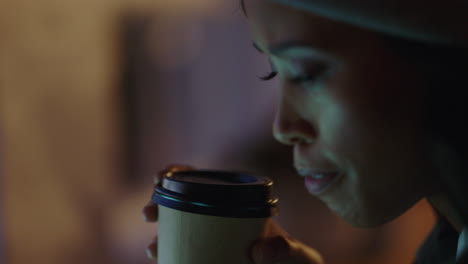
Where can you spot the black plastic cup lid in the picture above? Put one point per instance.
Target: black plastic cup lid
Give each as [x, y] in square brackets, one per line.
[218, 193]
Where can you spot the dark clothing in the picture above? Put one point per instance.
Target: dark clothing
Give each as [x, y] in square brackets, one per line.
[440, 247]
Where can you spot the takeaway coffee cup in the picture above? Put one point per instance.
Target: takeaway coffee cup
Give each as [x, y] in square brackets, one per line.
[211, 217]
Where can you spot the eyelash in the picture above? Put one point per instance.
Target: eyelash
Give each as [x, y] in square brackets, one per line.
[318, 71]
[269, 76]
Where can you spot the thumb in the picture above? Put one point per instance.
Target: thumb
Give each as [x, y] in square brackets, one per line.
[270, 250]
[280, 249]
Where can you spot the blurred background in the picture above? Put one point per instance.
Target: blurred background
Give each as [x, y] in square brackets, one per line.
[96, 96]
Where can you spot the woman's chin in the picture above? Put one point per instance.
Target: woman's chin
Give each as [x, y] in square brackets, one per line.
[362, 219]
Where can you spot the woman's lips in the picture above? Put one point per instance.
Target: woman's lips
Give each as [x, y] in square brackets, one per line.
[318, 181]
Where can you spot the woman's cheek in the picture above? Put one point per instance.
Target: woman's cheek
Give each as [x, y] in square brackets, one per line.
[347, 136]
[337, 128]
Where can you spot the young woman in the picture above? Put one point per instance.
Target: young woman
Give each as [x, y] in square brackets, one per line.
[373, 104]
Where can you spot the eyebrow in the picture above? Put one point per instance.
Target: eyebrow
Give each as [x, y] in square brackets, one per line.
[244, 10]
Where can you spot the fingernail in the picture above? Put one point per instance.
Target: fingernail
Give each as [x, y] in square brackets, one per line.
[143, 212]
[149, 254]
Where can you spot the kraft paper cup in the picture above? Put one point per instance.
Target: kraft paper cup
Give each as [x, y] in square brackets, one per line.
[211, 217]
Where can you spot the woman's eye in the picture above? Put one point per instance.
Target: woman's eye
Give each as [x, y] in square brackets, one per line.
[311, 73]
[271, 75]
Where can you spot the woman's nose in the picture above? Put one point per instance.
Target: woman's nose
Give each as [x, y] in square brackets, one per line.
[291, 127]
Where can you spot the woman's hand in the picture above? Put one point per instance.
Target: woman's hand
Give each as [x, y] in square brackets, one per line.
[278, 248]
[150, 211]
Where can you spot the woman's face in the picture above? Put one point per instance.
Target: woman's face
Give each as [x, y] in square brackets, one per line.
[351, 110]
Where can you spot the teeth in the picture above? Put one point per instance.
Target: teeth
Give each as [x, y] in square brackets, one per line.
[318, 176]
[315, 174]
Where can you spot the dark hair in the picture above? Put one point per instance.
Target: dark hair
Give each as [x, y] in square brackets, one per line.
[445, 69]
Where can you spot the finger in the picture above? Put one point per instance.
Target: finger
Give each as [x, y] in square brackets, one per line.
[152, 251]
[274, 229]
[150, 212]
[280, 249]
[179, 167]
[270, 250]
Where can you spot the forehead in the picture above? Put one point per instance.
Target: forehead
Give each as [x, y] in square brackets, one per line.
[273, 23]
